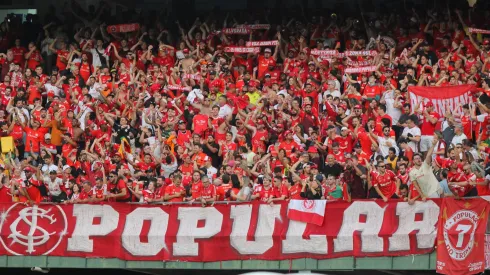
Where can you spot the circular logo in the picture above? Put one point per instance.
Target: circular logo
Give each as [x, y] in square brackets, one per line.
[459, 233]
[36, 229]
[308, 204]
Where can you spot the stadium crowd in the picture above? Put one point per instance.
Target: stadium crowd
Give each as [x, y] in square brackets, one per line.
[193, 115]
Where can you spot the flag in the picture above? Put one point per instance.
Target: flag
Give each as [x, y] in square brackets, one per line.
[124, 147]
[444, 98]
[461, 236]
[123, 28]
[307, 211]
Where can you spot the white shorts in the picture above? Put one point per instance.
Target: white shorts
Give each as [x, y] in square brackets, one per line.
[425, 143]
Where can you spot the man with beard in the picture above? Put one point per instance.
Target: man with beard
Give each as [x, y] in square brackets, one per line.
[385, 142]
[422, 176]
[288, 144]
[354, 177]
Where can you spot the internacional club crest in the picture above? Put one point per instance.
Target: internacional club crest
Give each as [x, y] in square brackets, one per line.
[308, 204]
[459, 233]
[32, 230]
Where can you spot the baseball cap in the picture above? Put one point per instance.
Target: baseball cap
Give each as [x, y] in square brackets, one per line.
[267, 50]
[312, 149]
[357, 107]
[486, 42]
[47, 136]
[429, 104]
[66, 167]
[181, 122]
[344, 129]
[185, 51]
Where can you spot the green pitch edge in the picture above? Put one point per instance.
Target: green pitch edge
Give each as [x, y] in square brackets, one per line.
[417, 262]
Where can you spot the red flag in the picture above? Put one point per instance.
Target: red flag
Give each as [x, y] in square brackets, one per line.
[123, 28]
[444, 98]
[461, 236]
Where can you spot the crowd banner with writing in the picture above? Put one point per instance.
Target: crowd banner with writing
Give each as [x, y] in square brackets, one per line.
[261, 43]
[335, 53]
[217, 233]
[123, 28]
[242, 49]
[461, 236]
[444, 98]
[178, 88]
[367, 69]
[243, 30]
[255, 26]
[474, 30]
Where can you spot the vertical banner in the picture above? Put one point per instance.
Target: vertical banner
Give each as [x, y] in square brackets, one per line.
[461, 236]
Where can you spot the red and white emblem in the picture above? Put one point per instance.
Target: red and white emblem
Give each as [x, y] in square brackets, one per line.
[459, 233]
[36, 229]
[308, 204]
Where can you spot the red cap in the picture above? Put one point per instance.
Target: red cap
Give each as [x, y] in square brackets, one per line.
[429, 104]
[185, 51]
[288, 132]
[50, 93]
[272, 62]
[357, 107]
[312, 149]
[486, 42]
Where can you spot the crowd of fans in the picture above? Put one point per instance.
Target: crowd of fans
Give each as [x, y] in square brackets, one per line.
[160, 116]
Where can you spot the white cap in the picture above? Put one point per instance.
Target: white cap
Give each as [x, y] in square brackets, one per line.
[344, 128]
[66, 167]
[47, 136]
[267, 50]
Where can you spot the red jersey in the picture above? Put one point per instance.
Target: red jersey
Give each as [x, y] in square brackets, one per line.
[208, 192]
[86, 194]
[386, 183]
[147, 194]
[427, 128]
[288, 147]
[173, 190]
[196, 190]
[200, 123]
[295, 192]
[5, 195]
[265, 194]
[281, 191]
[222, 190]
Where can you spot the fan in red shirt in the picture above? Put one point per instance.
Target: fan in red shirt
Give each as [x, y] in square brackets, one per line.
[175, 192]
[289, 144]
[266, 192]
[265, 60]
[461, 183]
[385, 183]
[208, 192]
[87, 193]
[280, 190]
[5, 195]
